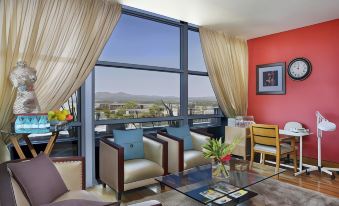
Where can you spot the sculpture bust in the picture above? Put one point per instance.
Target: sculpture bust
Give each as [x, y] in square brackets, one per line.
[23, 78]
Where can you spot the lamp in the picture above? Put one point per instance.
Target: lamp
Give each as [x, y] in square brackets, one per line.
[323, 125]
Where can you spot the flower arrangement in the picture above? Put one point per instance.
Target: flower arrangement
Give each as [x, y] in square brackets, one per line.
[220, 153]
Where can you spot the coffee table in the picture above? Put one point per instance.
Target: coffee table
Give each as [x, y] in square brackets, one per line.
[194, 182]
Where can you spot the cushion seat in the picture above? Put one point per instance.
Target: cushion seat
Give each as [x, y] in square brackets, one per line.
[285, 148]
[141, 169]
[193, 158]
[77, 194]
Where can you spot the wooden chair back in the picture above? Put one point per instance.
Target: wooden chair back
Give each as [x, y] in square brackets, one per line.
[265, 134]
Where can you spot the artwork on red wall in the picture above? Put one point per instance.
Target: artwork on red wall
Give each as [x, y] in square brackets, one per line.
[271, 78]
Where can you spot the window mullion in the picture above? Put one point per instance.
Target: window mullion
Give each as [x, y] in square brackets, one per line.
[184, 74]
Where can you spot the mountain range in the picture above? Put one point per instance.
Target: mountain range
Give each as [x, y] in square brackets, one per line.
[121, 97]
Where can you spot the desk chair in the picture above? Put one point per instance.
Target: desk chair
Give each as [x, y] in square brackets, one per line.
[265, 139]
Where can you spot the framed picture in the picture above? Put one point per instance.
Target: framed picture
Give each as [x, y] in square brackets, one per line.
[271, 78]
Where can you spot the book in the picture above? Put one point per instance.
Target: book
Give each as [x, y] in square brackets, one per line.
[224, 187]
[238, 194]
[211, 194]
[222, 200]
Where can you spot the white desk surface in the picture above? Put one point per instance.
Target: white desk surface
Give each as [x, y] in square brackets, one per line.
[295, 134]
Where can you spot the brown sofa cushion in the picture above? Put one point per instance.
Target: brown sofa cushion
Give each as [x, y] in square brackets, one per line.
[81, 203]
[39, 179]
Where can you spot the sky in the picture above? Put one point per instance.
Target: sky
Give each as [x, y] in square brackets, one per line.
[140, 41]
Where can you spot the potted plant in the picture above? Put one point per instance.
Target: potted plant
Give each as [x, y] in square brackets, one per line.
[220, 153]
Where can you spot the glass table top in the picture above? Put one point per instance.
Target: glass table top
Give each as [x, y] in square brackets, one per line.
[194, 182]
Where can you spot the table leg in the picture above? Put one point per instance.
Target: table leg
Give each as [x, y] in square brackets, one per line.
[301, 171]
[301, 154]
[17, 147]
[30, 146]
[51, 143]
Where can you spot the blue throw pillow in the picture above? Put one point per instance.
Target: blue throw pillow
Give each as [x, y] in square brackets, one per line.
[182, 132]
[132, 141]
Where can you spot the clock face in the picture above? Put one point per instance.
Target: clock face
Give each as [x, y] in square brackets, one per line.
[299, 69]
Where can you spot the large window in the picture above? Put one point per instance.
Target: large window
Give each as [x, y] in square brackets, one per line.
[152, 74]
[140, 41]
[126, 93]
[201, 98]
[195, 56]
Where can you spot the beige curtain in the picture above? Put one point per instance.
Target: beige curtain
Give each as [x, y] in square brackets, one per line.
[226, 59]
[61, 39]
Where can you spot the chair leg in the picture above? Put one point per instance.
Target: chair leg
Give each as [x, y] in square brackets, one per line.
[118, 195]
[252, 158]
[263, 158]
[277, 167]
[295, 164]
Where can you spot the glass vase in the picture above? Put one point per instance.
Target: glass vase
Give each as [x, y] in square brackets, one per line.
[220, 169]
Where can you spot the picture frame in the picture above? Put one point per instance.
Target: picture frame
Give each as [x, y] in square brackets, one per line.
[271, 79]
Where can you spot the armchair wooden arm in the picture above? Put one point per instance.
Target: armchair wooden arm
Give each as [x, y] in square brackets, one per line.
[111, 174]
[201, 132]
[175, 151]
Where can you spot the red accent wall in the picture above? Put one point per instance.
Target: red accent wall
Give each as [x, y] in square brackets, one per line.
[320, 44]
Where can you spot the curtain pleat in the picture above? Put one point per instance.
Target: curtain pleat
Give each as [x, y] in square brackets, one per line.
[61, 39]
[226, 59]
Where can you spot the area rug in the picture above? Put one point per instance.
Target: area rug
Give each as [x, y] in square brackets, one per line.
[271, 193]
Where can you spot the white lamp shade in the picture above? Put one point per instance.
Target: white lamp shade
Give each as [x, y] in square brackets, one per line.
[326, 126]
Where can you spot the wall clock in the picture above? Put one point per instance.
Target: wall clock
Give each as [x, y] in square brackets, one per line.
[299, 69]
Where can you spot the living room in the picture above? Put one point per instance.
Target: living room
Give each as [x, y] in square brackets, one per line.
[125, 102]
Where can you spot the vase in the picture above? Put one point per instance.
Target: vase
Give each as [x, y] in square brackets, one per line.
[220, 169]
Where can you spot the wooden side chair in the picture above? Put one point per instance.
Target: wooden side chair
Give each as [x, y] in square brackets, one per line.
[265, 140]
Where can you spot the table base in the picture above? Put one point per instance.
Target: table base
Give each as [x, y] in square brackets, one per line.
[47, 151]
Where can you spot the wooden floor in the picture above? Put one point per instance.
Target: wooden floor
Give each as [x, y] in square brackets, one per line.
[315, 181]
[321, 183]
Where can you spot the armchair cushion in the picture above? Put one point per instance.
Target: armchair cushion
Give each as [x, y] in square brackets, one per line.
[79, 198]
[49, 185]
[132, 141]
[193, 158]
[77, 194]
[81, 203]
[141, 169]
[182, 132]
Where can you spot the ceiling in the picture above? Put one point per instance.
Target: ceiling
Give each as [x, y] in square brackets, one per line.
[244, 18]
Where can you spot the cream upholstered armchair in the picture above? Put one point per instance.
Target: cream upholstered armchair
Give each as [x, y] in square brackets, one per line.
[179, 158]
[71, 170]
[122, 175]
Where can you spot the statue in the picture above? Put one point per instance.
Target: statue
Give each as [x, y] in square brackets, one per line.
[23, 78]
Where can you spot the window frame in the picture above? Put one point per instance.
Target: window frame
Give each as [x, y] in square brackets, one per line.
[184, 118]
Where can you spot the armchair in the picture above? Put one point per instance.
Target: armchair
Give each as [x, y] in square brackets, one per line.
[179, 158]
[71, 170]
[122, 175]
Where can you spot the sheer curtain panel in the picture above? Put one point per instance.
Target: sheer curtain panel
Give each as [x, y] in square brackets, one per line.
[226, 59]
[61, 39]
